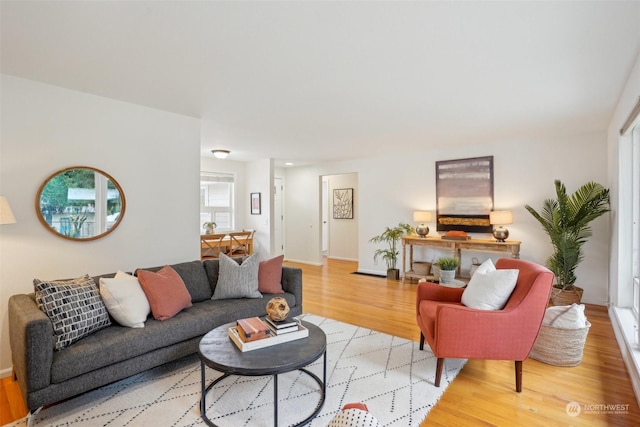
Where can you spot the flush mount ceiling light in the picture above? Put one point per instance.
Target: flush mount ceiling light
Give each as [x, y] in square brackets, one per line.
[220, 154]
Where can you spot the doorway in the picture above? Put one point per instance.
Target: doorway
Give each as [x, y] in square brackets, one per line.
[278, 216]
[339, 233]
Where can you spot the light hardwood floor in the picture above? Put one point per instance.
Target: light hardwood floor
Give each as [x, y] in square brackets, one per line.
[483, 394]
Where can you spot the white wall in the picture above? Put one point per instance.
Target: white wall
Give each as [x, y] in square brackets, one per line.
[390, 188]
[154, 156]
[343, 233]
[259, 179]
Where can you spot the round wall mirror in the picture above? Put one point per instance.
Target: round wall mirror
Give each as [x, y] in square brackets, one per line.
[80, 203]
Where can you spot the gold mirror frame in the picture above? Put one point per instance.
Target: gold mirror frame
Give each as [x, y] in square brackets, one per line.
[91, 215]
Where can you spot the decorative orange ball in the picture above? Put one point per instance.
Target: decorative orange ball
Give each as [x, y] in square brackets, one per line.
[277, 309]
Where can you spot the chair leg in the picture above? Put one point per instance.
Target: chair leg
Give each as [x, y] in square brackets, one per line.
[439, 366]
[421, 341]
[519, 376]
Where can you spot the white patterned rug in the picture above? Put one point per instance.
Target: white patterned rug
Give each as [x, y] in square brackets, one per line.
[389, 374]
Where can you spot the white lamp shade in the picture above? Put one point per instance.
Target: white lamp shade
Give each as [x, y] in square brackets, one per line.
[6, 215]
[422, 216]
[500, 217]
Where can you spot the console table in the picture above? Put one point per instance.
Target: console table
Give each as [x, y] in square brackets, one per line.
[455, 246]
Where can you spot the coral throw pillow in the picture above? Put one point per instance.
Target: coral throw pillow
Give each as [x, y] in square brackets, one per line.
[166, 292]
[270, 276]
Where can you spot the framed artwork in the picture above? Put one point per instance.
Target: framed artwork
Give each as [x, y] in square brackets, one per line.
[464, 194]
[256, 204]
[343, 203]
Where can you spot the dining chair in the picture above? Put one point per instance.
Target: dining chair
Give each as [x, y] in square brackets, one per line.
[240, 241]
[211, 245]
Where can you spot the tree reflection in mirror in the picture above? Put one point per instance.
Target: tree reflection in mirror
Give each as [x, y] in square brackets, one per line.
[80, 203]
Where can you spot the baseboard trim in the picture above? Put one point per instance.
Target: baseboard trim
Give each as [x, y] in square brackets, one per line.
[6, 372]
[317, 264]
[342, 259]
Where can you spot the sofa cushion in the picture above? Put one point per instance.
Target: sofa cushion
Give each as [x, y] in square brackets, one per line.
[125, 300]
[237, 281]
[194, 277]
[74, 307]
[166, 292]
[270, 275]
[117, 343]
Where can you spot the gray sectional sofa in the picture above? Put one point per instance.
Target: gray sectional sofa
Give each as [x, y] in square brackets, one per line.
[116, 352]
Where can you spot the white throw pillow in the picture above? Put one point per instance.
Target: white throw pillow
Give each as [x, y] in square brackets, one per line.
[565, 317]
[125, 300]
[490, 291]
[486, 267]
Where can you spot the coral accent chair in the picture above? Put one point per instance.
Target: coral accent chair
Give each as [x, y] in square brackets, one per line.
[454, 330]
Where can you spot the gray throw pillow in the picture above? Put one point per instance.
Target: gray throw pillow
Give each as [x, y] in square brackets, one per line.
[237, 281]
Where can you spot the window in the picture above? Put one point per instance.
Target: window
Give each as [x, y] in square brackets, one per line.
[635, 219]
[217, 200]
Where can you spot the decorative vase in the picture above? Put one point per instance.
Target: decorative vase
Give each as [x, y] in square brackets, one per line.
[210, 230]
[447, 276]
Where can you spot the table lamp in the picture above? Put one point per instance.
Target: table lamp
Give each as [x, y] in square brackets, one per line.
[422, 216]
[498, 219]
[6, 215]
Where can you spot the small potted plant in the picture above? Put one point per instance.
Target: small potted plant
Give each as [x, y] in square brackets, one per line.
[209, 227]
[390, 236]
[448, 267]
[566, 221]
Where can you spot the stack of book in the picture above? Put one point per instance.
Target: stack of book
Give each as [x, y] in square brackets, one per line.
[249, 335]
[252, 329]
[281, 327]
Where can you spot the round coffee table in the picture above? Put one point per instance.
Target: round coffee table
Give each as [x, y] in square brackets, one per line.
[217, 351]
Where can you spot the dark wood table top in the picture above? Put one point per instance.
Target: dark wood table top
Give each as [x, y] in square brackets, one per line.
[218, 352]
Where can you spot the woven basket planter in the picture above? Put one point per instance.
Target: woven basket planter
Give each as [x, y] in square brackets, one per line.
[567, 296]
[422, 268]
[560, 347]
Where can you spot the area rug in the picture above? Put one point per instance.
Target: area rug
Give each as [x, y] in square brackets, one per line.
[389, 374]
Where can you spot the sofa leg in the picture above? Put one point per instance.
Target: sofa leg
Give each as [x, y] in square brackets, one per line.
[519, 376]
[439, 366]
[32, 414]
[421, 341]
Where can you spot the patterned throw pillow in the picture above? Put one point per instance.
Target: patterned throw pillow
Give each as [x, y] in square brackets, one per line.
[74, 307]
[237, 281]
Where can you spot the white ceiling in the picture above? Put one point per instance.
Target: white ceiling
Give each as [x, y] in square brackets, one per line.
[313, 81]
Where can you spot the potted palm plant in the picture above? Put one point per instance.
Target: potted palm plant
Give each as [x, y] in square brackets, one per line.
[566, 221]
[390, 236]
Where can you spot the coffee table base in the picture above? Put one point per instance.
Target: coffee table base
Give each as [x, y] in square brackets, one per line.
[321, 383]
